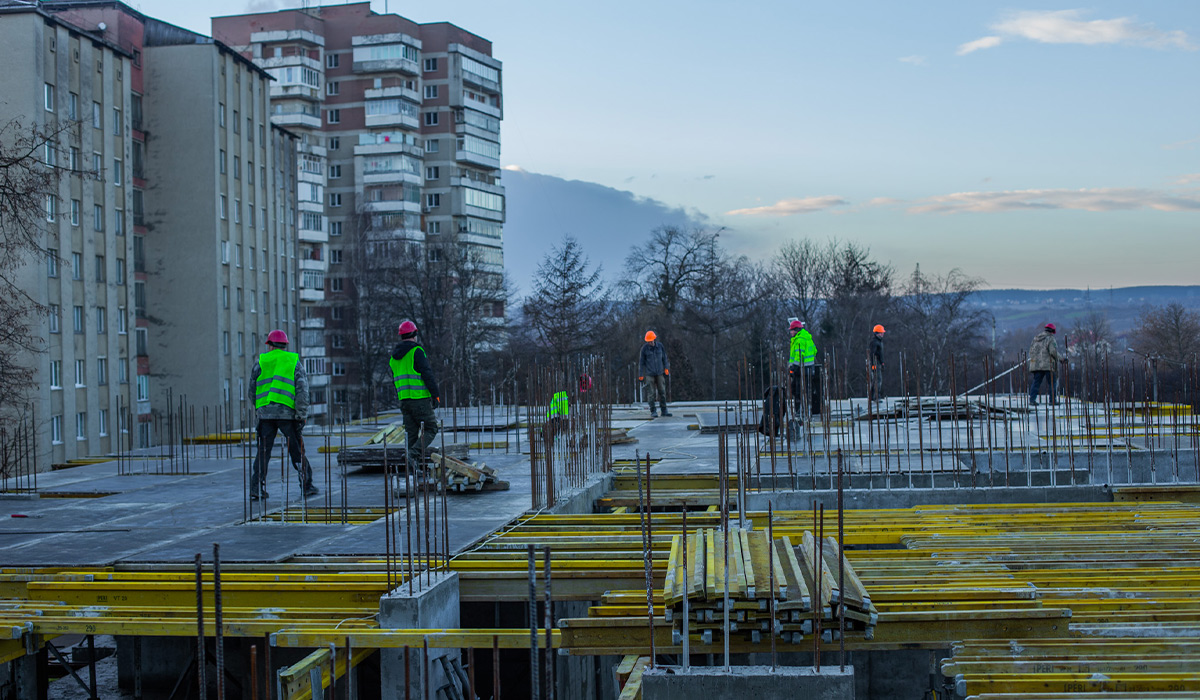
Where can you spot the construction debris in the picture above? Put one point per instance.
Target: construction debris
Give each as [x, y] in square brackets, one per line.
[462, 477]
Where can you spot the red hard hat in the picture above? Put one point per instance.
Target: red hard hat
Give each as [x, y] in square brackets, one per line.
[277, 336]
[408, 328]
[795, 325]
[1050, 327]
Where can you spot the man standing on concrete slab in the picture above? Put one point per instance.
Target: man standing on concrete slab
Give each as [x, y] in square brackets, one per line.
[875, 357]
[802, 357]
[1043, 363]
[653, 369]
[417, 391]
[279, 390]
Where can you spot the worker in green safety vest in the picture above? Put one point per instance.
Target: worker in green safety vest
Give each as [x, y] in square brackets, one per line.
[803, 355]
[417, 391]
[559, 406]
[279, 390]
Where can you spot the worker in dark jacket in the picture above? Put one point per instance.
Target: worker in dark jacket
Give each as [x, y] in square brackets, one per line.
[653, 369]
[279, 390]
[875, 356]
[417, 391]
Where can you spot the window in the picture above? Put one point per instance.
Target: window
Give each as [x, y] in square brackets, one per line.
[221, 110]
[97, 165]
[335, 228]
[119, 222]
[97, 218]
[103, 421]
[432, 172]
[135, 112]
[483, 200]
[332, 87]
[430, 65]
[76, 266]
[139, 160]
[76, 205]
[225, 297]
[431, 118]
[250, 215]
[221, 161]
[224, 206]
[336, 313]
[56, 428]
[431, 146]
[78, 319]
[339, 369]
[250, 129]
[141, 339]
[250, 171]
[49, 94]
[225, 342]
[139, 298]
[331, 60]
[50, 154]
[431, 92]
[333, 116]
[52, 262]
[76, 159]
[335, 172]
[433, 200]
[81, 425]
[237, 167]
[240, 299]
[116, 121]
[335, 199]
[120, 271]
[116, 171]
[433, 227]
[55, 312]
[335, 256]
[73, 107]
[237, 211]
[122, 370]
[310, 221]
[241, 343]
[335, 142]
[97, 116]
[143, 387]
[51, 203]
[102, 370]
[337, 341]
[122, 324]
[100, 268]
[235, 122]
[101, 320]
[55, 374]
[335, 284]
[224, 252]
[80, 373]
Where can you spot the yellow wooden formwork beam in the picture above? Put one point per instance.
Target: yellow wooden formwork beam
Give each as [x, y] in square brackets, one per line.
[295, 681]
[472, 638]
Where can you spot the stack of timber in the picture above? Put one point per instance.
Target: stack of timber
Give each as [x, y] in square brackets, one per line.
[787, 608]
[461, 477]
[388, 447]
[949, 407]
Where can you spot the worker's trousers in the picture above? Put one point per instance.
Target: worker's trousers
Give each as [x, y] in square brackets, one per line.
[418, 414]
[268, 429]
[1036, 384]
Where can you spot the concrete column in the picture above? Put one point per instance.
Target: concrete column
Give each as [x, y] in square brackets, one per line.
[19, 679]
[430, 605]
[758, 682]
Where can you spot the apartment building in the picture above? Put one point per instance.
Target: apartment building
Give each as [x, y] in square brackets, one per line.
[68, 80]
[400, 137]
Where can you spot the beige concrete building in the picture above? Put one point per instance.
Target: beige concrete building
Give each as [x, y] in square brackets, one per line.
[59, 76]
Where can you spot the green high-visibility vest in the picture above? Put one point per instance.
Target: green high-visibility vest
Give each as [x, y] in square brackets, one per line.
[276, 378]
[409, 384]
[804, 350]
[559, 405]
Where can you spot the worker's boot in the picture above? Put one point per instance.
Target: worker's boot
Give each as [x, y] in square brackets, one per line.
[653, 410]
[663, 405]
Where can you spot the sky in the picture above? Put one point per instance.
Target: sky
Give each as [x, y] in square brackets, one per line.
[1030, 145]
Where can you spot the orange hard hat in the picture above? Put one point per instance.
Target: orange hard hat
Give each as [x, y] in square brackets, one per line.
[650, 336]
[877, 329]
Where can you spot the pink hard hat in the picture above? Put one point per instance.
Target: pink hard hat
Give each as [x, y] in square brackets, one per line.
[1050, 327]
[408, 328]
[277, 336]
[795, 325]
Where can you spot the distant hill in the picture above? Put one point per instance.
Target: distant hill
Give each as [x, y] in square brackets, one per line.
[1023, 309]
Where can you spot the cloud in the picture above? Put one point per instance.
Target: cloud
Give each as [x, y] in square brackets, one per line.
[1069, 27]
[914, 60]
[793, 205]
[883, 202]
[1098, 199]
[254, 6]
[1188, 179]
[986, 42]
[1186, 143]
[514, 168]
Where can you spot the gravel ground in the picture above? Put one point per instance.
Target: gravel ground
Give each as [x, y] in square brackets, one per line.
[66, 688]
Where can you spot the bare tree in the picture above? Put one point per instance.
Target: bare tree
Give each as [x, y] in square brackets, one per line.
[567, 299]
[1170, 332]
[803, 268]
[859, 297]
[661, 269]
[937, 322]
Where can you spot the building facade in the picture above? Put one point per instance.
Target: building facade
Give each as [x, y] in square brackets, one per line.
[77, 85]
[400, 142]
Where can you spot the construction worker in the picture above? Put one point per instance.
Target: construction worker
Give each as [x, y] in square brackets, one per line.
[279, 390]
[417, 391]
[803, 357]
[875, 357]
[653, 369]
[1043, 363]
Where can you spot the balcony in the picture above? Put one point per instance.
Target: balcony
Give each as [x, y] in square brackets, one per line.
[387, 65]
[312, 295]
[392, 177]
[392, 206]
[303, 119]
[293, 60]
[321, 266]
[477, 159]
[309, 176]
[294, 90]
[394, 91]
[287, 35]
[389, 142]
[479, 81]
[310, 236]
[409, 121]
[317, 380]
[312, 149]
[312, 324]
